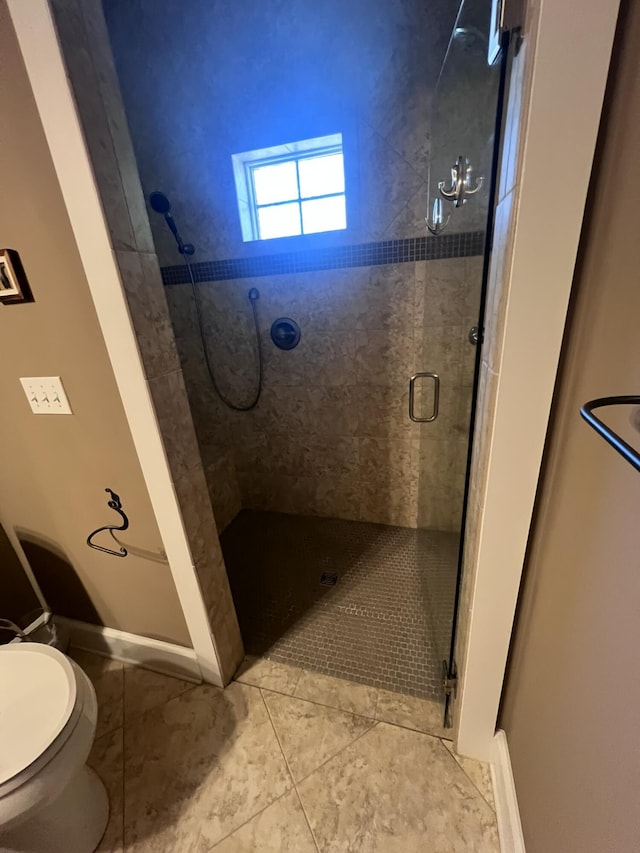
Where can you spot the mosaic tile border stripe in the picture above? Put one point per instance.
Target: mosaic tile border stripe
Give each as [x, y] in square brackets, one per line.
[466, 244]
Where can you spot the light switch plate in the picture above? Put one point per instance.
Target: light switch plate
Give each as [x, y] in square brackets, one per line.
[46, 395]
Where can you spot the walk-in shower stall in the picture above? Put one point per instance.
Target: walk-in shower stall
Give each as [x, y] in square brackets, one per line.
[319, 181]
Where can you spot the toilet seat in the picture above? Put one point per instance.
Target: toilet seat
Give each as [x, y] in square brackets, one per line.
[38, 707]
[55, 804]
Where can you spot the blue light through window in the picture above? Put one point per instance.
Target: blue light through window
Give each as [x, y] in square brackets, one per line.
[291, 189]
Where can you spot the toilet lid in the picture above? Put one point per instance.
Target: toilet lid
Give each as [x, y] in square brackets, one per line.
[37, 697]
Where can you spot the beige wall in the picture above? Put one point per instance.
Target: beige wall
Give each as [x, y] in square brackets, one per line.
[55, 469]
[570, 706]
[18, 600]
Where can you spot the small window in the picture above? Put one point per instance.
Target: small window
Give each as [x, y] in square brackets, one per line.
[291, 189]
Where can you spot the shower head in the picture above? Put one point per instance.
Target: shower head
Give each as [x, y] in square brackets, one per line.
[159, 202]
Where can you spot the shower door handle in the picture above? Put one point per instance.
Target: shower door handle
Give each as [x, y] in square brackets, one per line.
[412, 397]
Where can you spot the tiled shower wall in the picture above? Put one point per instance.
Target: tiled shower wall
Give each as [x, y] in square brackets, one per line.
[331, 434]
[232, 77]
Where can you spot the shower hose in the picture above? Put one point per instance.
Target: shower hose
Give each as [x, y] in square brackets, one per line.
[253, 296]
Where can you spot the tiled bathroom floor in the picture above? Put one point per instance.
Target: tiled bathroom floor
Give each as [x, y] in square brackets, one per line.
[386, 622]
[282, 761]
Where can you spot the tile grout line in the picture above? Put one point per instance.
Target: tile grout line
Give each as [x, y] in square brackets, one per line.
[316, 702]
[320, 766]
[236, 828]
[109, 731]
[423, 695]
[411, 729]
[375, 710]
[374, 718]
[306, 817]
[457, 763]
[248, 820]
[293, 781]
[331, 757]
[342, 749]
[295, 686]
[336, 707]
[125, 722]
[339, 707]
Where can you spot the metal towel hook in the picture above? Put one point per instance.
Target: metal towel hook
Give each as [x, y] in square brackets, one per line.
[438, 222]
[116, 505]
[460, 187]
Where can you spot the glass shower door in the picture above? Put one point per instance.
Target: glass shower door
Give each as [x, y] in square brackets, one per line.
[464, 120]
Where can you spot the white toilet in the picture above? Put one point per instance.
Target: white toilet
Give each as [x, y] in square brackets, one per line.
[50, 801]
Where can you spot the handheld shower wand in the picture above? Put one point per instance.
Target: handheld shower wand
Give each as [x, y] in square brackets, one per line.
[161, 204]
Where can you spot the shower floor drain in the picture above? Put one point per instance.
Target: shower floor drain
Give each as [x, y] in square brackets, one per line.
[328, 579]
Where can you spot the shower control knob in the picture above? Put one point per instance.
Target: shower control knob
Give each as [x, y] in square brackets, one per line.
[285, 333]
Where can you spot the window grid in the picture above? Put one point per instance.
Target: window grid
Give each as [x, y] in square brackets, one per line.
[296, 158]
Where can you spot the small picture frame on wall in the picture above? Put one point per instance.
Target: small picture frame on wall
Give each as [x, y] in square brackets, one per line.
[14, 286]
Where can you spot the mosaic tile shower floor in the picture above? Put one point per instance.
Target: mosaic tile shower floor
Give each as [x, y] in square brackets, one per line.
[386, 622]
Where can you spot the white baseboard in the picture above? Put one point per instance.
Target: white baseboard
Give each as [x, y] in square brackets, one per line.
[166, 658]
[507, 812]
[38, 622]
